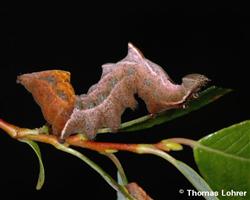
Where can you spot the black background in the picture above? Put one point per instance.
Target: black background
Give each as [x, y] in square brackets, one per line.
[211, 40]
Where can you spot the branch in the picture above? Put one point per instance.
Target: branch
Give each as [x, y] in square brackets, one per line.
[157, 149]
[40, 135]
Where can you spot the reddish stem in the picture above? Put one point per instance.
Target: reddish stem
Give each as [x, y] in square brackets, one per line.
[99, 146]
[74, 140]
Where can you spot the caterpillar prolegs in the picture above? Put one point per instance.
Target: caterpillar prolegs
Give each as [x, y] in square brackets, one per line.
[105, 101]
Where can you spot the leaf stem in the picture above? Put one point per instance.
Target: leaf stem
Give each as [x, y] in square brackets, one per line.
[127, 124]
[119, 167]
[185, 141]
[97, 168]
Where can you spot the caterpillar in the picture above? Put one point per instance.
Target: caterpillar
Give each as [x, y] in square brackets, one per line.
[104, 103]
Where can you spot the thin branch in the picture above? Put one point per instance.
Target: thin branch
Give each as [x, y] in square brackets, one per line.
[74, 140]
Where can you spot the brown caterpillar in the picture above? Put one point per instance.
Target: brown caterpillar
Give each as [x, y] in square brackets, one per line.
[105, 101]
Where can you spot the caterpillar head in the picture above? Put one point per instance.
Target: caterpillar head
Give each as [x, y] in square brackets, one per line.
[192, 83]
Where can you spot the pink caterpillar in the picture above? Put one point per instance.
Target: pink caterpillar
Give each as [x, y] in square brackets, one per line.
[105, 101]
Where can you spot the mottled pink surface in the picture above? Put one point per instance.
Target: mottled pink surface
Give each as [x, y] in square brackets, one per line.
[105, 101]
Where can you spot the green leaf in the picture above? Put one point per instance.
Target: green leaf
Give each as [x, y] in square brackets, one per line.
[223, 159]
[36, 148]
[119, 181]
[197, 181]
[205, 97]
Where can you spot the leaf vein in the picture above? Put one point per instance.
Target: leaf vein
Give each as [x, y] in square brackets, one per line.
[243, 148]
[227, 149]
[223, 137]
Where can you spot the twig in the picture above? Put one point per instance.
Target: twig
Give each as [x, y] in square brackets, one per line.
[74, 140]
